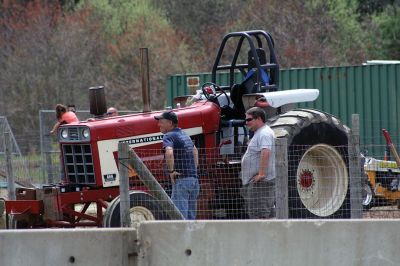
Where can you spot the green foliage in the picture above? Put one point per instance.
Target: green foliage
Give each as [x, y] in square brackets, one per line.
[388, 23]
[348, 38]
[118, 15]
[202, 25]
[130, 25]
[369, 7]
[69, 5]
[195, 17]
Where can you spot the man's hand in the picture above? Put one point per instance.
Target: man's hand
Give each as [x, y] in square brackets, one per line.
[173, 175]
[257, 178]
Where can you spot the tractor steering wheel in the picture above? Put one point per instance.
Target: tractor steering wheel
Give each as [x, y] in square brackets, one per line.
[212, 91]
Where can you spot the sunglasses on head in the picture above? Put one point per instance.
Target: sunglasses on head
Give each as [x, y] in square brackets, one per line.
[249, 119]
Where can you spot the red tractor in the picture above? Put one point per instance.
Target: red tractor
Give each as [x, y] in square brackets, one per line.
[318, 179]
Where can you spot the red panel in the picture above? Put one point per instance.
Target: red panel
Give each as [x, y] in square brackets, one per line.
[24, 206]
[106, 194]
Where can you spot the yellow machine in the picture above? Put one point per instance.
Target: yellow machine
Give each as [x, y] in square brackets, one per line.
[382, 187]
[383, 179]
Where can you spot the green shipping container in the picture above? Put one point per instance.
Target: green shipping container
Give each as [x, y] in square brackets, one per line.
[372, 91]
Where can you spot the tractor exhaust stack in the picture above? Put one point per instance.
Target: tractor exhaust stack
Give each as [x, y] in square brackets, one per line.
[144, 72]
[97, 100]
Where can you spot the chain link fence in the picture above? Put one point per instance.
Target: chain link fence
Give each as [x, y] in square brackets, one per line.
[318, 182]
[19, 163]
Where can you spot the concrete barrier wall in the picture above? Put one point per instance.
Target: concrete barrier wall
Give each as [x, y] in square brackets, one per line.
[59, 247]
[275, 242]
[311, 242]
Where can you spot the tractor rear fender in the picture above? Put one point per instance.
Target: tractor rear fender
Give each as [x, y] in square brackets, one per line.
[279, 98]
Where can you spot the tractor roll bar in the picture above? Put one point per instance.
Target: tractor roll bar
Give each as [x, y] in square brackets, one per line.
[258, 35]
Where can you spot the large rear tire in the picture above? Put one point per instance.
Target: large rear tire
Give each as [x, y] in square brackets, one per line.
[143, 207]
[318, 179]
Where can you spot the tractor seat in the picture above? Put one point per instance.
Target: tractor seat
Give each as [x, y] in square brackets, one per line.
[237, 111]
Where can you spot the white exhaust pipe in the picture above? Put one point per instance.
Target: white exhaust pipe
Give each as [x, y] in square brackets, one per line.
[279, 98]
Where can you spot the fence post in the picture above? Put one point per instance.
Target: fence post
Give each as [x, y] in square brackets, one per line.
[355, 168]
[281, 180]
[123, 153]
[10, 174]
[49, 163]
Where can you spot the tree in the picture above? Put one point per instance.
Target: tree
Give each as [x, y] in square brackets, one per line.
[369, 7]
[201, 25]
[52, 51]
[196, 17]
[46, 58]
[131, 25]
[308, 33]
[388, 33]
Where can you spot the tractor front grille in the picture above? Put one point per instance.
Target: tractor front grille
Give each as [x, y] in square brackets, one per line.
[73, 133]
[78, 161]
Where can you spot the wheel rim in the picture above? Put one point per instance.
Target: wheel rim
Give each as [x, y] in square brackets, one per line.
[322, 180]
[139, 214]
[367, 195]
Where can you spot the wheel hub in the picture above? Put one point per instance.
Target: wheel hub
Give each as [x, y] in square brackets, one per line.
[139, 214]
[306, 179]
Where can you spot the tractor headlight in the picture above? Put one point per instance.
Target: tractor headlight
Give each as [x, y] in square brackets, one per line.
[64, 133]
[86, 133]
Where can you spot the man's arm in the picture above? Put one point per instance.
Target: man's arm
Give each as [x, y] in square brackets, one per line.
[169, 158]
[196, 156]
[262, 171]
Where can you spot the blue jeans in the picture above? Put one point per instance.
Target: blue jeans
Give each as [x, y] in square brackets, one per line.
[184, 195]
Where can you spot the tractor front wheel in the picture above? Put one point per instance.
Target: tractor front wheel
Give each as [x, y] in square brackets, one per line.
[143, 207]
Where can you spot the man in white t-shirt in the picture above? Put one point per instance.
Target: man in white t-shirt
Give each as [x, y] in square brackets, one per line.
[258, 167]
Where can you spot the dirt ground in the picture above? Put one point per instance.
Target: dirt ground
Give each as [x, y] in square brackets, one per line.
[386, 212]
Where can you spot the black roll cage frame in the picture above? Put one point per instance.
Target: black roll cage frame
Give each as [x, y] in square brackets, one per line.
[271, 67]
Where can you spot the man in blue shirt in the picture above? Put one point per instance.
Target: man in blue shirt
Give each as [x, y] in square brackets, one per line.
[181, 157]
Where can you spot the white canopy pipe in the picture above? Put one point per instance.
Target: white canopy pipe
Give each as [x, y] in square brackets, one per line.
[278, 98]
